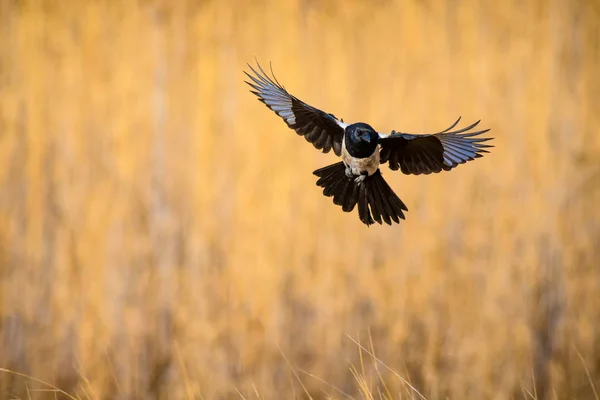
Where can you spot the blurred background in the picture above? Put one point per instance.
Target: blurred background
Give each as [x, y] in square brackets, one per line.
[162, 237]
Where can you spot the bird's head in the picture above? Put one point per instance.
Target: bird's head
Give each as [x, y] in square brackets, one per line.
[361, 132]
[361, 139]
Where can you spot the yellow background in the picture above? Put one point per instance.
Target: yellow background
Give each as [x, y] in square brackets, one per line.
[161, 234]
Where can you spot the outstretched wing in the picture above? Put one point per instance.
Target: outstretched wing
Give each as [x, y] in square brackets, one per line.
[427, 153]
[323, 130]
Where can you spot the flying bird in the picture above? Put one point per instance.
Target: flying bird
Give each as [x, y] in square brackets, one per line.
[357, 179]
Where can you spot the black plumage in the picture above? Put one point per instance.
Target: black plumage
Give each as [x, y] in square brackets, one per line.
[357, 179]
[317, 127]
[374, 192]
[426, 153]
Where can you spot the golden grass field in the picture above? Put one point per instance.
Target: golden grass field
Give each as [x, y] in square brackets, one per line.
[162, 237]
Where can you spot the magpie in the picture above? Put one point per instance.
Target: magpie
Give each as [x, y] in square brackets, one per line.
[357, 179]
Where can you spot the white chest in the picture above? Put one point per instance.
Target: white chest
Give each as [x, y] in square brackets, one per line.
[360, 165]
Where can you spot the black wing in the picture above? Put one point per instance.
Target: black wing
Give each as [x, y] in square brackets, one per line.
[323, 130]
[427, 153]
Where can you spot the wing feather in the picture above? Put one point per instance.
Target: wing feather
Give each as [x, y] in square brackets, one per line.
[323, 130]
[431, 153]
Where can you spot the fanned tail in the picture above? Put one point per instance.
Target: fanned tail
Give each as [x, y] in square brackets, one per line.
[376, 201]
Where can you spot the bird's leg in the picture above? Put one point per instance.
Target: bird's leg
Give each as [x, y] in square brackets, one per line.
[349, 173]
[359, 179]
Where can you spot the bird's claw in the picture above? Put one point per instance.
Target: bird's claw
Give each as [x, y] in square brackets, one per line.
[359, 179]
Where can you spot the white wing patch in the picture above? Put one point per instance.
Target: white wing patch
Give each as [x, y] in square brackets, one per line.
[341, 124]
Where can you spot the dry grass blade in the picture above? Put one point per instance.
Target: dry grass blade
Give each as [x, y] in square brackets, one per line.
[387, 390]
[527, 393]
[239, 393]
[340, 391]
[388, 368]
[293, 371]
[31, 378]
[587, 372]
[186, 380]
[363, 386]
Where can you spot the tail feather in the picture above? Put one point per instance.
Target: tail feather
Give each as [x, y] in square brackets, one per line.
[363, 206]
[383, 189]
[326, 180]
[340, 196]
[339, 186]
[376, 201]
[332, 188]
[387, 208]
[381, 203]
[375, 207]
[351, 199]
[327, 175]
[396, 204]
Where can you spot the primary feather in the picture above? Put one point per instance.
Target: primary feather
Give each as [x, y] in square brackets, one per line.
[323, 130]
[432, 153]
